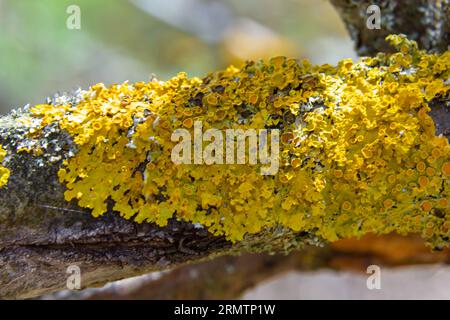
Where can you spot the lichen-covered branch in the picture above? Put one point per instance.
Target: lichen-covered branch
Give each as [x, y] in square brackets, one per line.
[49, 150]
[425, 21]
[358, 153]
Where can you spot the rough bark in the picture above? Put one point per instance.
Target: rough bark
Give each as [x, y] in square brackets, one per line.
[41, 234]
[425, 21]
[228, 277]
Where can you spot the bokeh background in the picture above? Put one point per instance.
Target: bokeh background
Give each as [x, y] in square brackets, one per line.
[136, 40]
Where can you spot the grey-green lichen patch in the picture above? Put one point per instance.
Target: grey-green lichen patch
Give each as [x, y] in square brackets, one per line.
[33, 161]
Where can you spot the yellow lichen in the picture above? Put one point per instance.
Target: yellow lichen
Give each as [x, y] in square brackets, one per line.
[4, 172]
[358, 154]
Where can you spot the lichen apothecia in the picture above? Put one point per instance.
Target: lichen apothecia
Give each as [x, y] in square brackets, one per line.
[358, 150]
[4, 172]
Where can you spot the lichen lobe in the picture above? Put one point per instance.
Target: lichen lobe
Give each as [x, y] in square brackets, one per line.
[359, 152]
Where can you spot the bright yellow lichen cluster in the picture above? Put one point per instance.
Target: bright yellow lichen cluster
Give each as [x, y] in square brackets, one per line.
[4, 172]
[358, 150]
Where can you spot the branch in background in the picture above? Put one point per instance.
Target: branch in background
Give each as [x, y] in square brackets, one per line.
[230, 277]
[424, 21]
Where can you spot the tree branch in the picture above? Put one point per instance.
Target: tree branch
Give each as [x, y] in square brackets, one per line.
[230, 276]
[424, 21]
[41, 234]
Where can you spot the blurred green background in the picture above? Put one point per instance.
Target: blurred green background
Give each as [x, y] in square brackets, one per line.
[132, 39]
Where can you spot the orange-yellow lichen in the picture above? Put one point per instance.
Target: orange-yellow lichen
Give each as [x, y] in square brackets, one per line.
[4, 172]
[357, 144]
